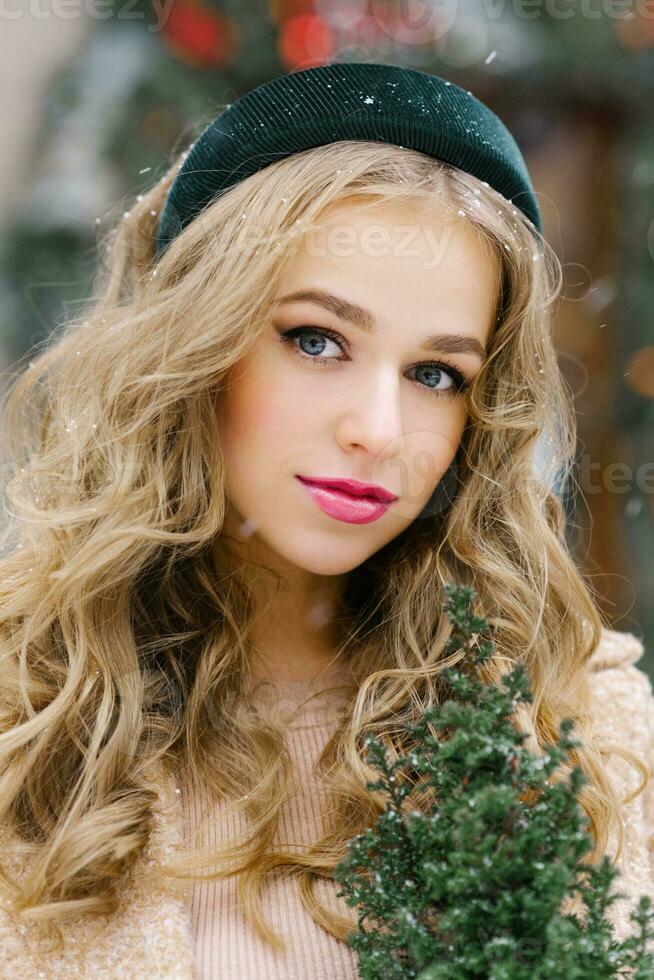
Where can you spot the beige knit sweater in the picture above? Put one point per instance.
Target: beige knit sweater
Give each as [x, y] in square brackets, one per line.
[159, 935]
[225, 943]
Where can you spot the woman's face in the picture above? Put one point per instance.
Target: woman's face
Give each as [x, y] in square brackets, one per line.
[372, 291]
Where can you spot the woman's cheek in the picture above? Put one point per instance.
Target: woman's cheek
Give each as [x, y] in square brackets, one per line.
[273, 415]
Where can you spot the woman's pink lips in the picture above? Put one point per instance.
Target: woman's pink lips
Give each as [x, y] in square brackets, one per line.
[344, 506]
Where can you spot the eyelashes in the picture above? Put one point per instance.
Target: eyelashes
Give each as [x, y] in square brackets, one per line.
[289, 337]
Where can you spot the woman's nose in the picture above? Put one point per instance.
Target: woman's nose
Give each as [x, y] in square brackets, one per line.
[372, 417]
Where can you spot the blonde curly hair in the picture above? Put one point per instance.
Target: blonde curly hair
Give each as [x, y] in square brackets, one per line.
[120, 644]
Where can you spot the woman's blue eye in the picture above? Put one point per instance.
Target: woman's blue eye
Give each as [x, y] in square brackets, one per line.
[314, 339]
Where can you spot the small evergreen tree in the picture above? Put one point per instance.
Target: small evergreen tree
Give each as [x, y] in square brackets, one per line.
[474, 888]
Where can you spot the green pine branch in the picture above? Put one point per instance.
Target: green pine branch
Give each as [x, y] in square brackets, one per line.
[474, 888]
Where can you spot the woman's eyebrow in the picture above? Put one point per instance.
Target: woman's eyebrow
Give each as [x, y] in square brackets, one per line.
[446, 343]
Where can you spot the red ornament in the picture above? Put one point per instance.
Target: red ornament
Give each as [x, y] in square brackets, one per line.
[635, 28]
[199, 35]
[281, 10]
[305, 41]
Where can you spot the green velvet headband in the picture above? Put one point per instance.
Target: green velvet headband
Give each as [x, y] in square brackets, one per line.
[349, 101]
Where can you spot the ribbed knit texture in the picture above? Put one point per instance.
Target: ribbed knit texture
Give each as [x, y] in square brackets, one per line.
[350, 101]
[226, 946]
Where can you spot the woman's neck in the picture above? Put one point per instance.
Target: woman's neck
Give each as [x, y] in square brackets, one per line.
[296, 632]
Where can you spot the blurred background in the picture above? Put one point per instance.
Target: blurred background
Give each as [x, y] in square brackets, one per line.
[99, 96]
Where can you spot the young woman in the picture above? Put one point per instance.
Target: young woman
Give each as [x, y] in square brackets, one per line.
[343, 279]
